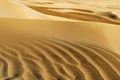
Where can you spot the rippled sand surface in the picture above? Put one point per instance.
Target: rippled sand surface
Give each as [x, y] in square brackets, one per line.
[59, 40]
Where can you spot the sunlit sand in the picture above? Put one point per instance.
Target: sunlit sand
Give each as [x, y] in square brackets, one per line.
[59, 40]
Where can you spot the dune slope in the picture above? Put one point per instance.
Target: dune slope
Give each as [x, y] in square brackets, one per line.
[59, 40]
[33, 50]
[55, 59]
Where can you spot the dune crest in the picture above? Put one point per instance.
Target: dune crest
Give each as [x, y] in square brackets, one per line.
[58, 9]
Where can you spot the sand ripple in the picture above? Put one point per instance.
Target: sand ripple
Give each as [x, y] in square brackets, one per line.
[54, 59]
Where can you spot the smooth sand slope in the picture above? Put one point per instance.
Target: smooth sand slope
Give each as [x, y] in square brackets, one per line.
[43, 40]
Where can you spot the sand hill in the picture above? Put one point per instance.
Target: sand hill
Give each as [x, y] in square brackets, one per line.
[59, 40]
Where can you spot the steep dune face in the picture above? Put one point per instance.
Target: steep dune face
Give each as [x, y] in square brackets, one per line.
[59, 40]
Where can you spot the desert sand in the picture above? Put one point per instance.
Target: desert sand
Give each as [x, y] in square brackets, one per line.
[59, 40]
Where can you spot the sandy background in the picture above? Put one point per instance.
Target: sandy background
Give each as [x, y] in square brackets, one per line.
[59, 40]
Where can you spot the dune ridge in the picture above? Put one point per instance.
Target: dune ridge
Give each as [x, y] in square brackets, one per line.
[110, 18]
[55, 59]
[76, 13]
[29, 10]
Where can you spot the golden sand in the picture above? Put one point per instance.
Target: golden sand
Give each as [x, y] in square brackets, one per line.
[59, 40]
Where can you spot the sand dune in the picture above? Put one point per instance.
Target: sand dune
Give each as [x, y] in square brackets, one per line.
[75, 13]
[59, 40]
[18, 10]
[54, 59]
[33, 52]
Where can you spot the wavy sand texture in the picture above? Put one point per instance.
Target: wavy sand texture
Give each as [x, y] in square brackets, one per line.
[28, 52]
[59, 40]
[55, 59]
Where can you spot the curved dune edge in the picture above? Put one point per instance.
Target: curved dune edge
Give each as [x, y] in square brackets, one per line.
[34, 10]
[108, 18]
[55, 59]
[13, 9]
[62, 9]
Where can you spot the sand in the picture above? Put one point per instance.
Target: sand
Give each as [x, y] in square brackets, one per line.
[59, 40]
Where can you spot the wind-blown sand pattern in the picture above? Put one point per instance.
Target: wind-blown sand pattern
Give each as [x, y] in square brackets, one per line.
[59, 40]
[54, 59]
